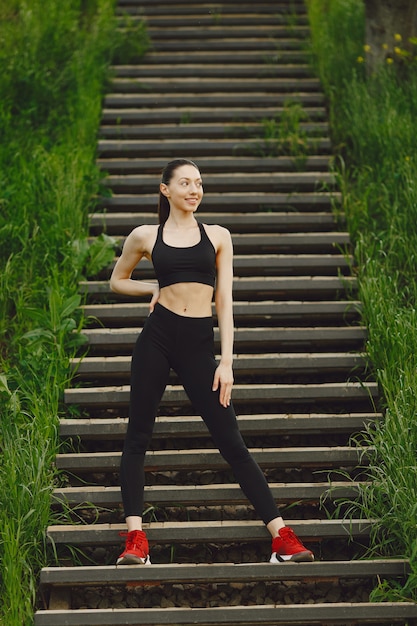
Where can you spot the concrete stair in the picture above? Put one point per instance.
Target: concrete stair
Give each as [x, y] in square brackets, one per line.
[229, 85]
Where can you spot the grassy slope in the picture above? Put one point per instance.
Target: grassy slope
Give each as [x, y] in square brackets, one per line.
[54, 59]
[374, 125]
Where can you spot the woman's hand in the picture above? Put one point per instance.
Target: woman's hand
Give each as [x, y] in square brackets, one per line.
[223, 378]
[154, 300]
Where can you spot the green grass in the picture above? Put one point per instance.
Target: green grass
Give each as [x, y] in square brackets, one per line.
[54, 60]
[374, 125]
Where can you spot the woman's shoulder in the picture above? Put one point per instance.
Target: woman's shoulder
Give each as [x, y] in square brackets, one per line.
[143, 236]
[217, 231]
[219, 236]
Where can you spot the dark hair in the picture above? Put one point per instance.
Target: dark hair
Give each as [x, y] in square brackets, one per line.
[167, 173]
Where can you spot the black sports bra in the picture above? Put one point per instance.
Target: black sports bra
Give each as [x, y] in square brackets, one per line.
[195, 264]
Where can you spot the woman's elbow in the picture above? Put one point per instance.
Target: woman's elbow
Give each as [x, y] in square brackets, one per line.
[114, 285]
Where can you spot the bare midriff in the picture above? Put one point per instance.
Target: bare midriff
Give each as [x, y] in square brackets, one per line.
[188, 299]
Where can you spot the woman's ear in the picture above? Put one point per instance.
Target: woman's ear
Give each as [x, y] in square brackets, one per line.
[164, 189]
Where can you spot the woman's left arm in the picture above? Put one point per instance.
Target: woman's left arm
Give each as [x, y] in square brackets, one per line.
[223, 376]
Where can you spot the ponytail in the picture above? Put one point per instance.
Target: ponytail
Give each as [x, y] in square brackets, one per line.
[163, 208]
[167, 173]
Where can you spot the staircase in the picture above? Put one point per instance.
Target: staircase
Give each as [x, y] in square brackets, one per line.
[226, 84]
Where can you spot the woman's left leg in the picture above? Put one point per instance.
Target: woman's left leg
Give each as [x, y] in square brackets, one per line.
[196, 366]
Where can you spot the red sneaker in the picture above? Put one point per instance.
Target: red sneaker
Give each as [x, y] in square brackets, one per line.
[287, 547]
[137, 549]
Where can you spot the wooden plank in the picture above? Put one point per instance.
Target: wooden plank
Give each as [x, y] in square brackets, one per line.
[193, 426]
[208, 531]
[262, 286]
[214, 70]
[380, 613]
[113, 396]
[206, 495]
[215, 183]
[203, 459]
[219, 164]
[132, 313]
[273, 231]
[222, 572]
[208, 85]
[264, 339]
[219, 100]
[255, 365]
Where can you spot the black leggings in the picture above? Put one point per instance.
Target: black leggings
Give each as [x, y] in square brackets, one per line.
[186, 345]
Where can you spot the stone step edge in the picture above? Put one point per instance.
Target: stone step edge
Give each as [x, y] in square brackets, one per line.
[207, 495]
[201, 532]
[238, 615]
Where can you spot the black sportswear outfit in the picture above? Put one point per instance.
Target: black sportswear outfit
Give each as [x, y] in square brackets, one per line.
[186, 345]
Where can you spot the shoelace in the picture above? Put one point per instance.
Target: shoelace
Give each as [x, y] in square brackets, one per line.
[135, 540]
[291, 538]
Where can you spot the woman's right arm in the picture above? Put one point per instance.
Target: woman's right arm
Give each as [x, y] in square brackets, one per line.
[135, 247]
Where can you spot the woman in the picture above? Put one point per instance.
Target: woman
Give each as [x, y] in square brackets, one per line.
[188, 258]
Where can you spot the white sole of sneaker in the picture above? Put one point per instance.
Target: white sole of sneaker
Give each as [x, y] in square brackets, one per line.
[131, 559]
[299, 557]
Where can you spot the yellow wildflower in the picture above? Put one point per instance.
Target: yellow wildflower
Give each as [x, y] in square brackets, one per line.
[385, 46]
[398, 37]
[389, 60]
[367, 48]
[360, 59]
[397, 50]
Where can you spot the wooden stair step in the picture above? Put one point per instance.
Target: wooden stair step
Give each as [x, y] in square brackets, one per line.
[251, 230]
[213, 70]
[216, 183]
[215, 164]
[264, 265]
[205, 495]
[203, 459]
[176, 58]
[272, 339]
[230, 44]
[153, 100]
[207, 20]
[193, 426]
[208, 531]
[379, 613]
[260, 287]
[196, 148]
[185, 85]
[200, 115]
[250, 202]
[114, 396]
[222, 572]
[173, 7]
[132, 313]
[306, 242]
[243, 30]
[255, 365]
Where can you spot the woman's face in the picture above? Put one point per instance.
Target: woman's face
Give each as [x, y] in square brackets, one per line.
[185, 189]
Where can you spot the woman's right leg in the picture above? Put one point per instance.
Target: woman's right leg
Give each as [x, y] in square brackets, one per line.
[149, 375]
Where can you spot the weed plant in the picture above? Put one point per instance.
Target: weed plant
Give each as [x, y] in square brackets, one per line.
[374, 125]
[54, 59]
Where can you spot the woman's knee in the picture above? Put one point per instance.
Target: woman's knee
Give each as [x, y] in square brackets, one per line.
[137, 442]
